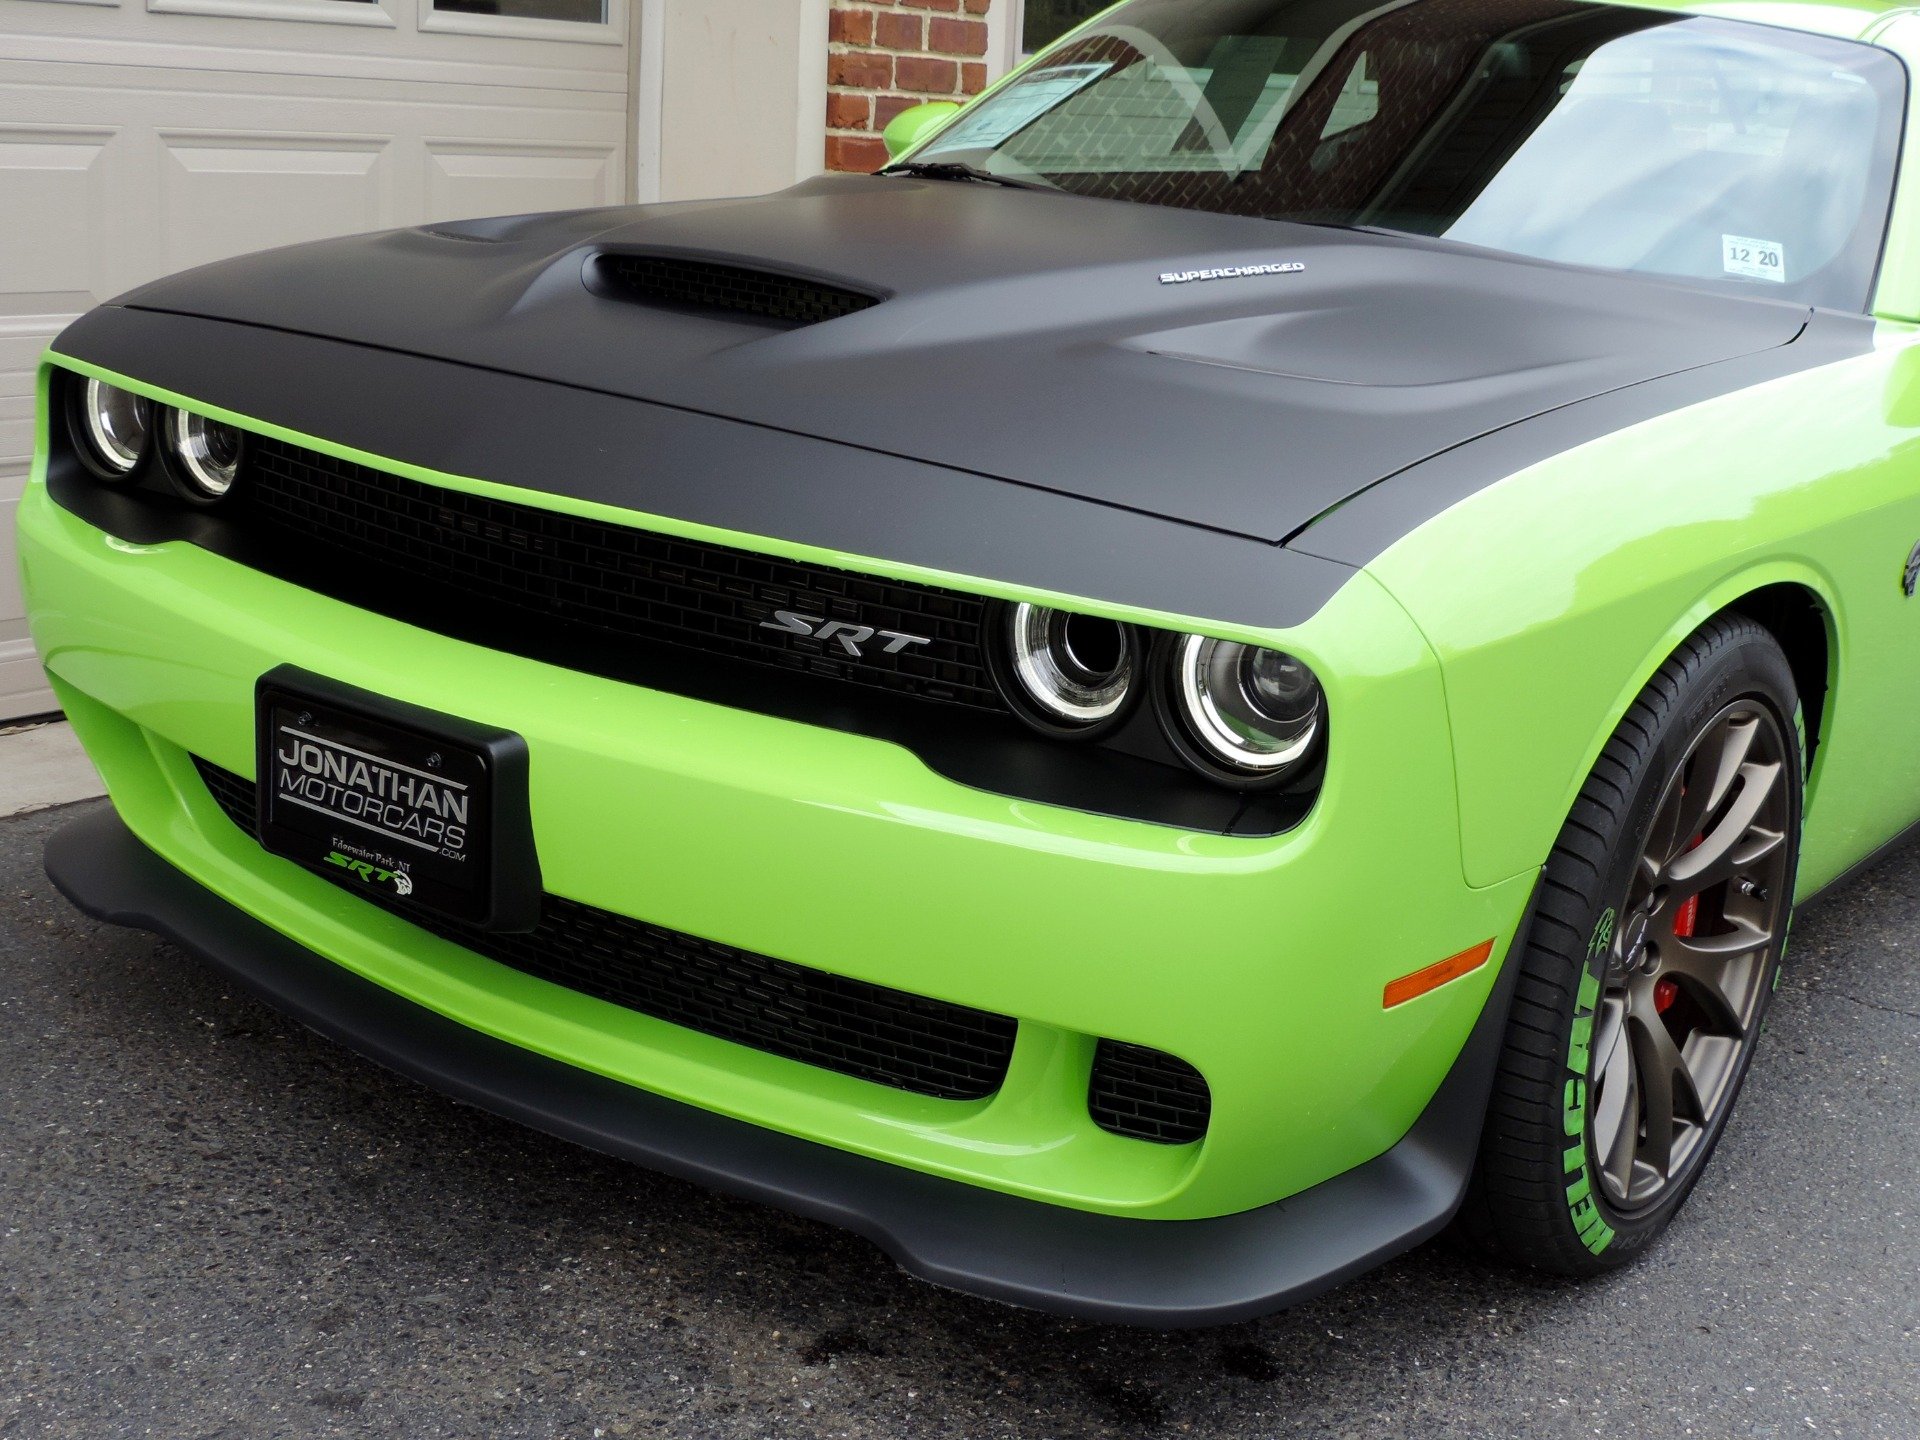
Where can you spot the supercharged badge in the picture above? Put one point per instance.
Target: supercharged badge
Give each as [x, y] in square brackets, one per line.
[1231, 272]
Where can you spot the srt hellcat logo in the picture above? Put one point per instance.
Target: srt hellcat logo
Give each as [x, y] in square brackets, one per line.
[370, 874]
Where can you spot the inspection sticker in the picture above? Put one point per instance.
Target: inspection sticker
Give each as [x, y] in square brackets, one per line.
[1753, 259]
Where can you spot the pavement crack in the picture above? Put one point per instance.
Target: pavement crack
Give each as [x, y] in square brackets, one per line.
[1875, 1005]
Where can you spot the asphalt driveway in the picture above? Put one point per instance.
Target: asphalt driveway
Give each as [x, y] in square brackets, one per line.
[213, 1223]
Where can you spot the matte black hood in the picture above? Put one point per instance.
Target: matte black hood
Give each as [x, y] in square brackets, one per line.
[1026, 336]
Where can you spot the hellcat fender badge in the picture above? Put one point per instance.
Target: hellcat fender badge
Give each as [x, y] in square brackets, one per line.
[1230, 272]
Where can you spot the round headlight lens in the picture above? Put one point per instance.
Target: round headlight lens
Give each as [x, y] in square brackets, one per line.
[208, 452]
[117, 422]
[1076, 670]
[1256, 711]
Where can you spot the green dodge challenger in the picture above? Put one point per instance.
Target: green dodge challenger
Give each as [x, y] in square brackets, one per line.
[1238, 659]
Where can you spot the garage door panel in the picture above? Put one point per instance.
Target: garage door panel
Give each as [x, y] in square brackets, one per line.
[23, 685]
[53, 188]
[223, 193]
[22, 340]
[22, 681]
[469, 179]
[10, 602]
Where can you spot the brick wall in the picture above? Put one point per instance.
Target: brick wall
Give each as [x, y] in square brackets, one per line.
[884, 55]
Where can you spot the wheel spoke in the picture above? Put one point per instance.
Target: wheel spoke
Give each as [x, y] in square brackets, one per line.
[1698, 954]
[1711, 780]
[1667, 1084]
[1667, 839]
[1616, 1118]
[1717, 971]
[1736, 744]
[1720, 853]
[1718, 990]
[1759, 843]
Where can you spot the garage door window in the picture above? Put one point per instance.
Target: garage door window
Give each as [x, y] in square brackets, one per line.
[602, 21]
[578, 12]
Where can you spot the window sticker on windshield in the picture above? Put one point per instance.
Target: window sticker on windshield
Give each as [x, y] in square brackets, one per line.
[1753, 259]
[1020, 104]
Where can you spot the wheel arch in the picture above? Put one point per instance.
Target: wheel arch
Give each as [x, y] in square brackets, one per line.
[1794, 602]
[1799, 618]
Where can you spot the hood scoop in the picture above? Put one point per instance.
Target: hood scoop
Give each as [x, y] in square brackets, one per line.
[675, 282]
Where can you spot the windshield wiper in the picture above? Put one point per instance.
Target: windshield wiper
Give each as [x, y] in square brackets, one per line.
[956, 170]
[1355, 227]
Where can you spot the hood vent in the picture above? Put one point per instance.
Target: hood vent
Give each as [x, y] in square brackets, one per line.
[668, 280]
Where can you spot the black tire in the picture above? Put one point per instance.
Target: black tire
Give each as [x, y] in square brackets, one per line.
[1540, 1196]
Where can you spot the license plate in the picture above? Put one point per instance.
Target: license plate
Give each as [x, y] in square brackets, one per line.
[419, 810]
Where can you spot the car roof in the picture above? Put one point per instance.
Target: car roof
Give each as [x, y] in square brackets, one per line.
[1845, 19]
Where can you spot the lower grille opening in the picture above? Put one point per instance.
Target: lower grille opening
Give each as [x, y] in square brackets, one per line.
[1147, 1094]
[928, 1047]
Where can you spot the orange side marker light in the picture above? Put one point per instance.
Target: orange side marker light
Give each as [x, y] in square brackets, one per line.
[1412, 987]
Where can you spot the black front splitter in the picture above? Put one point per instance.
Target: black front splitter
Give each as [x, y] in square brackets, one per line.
[1160, 1273]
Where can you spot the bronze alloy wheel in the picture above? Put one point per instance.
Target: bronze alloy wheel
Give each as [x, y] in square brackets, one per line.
[1687, 967]
[1643, 977]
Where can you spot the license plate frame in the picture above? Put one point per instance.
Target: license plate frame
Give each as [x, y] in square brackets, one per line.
[418, 810]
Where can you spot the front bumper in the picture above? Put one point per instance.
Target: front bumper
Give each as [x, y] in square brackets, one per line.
[1099, 1267]
[1260, 961]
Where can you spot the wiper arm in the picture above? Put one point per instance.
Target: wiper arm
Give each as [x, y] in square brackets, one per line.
[956, 170]
[1341, 225]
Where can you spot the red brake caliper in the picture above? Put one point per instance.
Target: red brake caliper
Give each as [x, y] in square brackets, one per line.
[1665, 992]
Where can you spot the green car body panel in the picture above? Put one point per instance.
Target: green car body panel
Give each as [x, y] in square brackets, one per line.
[1465, 718]
[155, 651]
[1624, 547]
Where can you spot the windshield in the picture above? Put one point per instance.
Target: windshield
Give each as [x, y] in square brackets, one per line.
[1598, 135]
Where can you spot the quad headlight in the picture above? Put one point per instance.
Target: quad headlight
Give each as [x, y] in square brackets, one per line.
[206, 454]
[1255, 712]
[114, 426]
[1242, 715]
[1074, 673]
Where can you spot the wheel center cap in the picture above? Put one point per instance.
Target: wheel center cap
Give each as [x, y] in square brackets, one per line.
[1634, 939]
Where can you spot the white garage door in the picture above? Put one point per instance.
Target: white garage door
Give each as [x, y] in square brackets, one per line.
[138, 137]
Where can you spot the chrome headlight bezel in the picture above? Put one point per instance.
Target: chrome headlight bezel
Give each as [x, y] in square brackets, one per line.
[111, 457]
[1067, 673]
[1214, 714]
[204, 455]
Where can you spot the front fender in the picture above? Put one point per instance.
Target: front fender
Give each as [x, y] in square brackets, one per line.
[1553, 595]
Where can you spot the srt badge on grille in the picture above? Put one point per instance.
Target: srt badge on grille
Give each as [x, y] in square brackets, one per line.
[850, 637]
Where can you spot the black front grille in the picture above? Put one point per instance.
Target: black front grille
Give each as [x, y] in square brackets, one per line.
[1147, 1094]
[704, 285]
[886, 1036]
[567, 574]
[232, 794]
